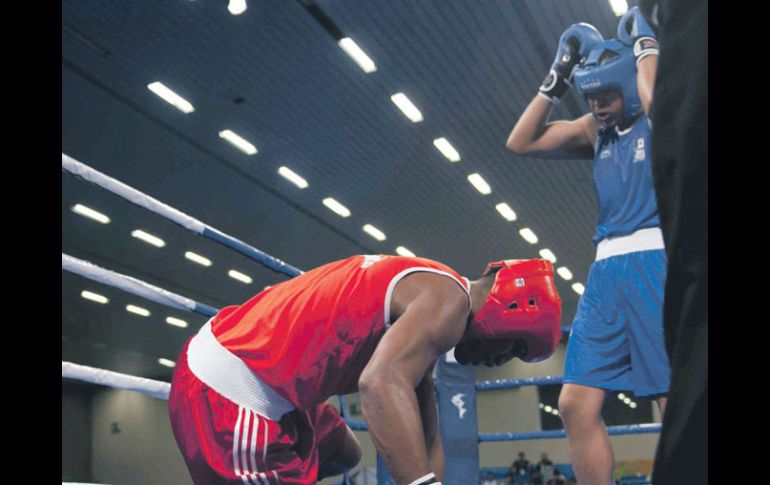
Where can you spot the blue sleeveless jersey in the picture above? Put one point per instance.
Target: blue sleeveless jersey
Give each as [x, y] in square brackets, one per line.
[623, 181]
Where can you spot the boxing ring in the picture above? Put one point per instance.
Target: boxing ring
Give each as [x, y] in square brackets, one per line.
[160, 390]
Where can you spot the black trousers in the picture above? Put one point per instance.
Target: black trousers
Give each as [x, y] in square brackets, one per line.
[679, 117]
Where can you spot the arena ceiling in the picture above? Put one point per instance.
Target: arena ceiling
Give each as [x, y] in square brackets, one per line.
[277, 76]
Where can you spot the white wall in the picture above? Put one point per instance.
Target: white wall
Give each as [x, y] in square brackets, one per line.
[515, 410]
[144, 451]
[75, 432]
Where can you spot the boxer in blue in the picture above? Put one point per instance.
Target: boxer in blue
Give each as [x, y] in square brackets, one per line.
[616, 342]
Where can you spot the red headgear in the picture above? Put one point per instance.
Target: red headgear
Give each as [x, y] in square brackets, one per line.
[522, 304]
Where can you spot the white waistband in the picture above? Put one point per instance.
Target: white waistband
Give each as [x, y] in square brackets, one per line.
[641, 240]
[228, 375]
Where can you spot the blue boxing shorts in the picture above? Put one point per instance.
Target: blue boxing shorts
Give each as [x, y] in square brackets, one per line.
[616, 342]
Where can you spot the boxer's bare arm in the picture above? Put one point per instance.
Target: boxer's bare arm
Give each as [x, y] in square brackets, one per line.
[433, 313]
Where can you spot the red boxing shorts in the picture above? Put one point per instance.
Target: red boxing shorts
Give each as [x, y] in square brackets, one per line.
[222, 442]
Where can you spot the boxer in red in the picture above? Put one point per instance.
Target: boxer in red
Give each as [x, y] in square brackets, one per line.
[247, 402]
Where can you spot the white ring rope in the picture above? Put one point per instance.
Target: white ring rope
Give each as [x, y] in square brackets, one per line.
[151, 387]
[126, 283]
[131, 194]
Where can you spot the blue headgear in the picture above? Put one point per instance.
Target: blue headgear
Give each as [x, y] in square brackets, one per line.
[610, 65]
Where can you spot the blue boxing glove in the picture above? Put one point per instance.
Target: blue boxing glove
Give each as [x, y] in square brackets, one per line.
[574, 45]
[634, 30]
